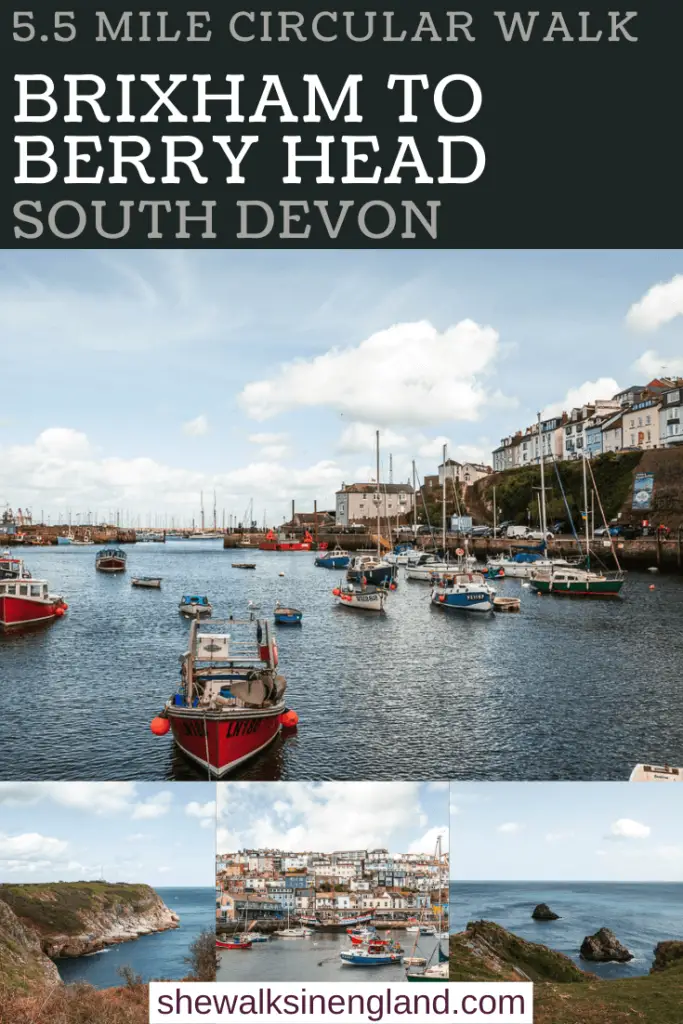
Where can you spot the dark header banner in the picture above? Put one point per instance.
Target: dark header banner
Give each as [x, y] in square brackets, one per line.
[211, 124]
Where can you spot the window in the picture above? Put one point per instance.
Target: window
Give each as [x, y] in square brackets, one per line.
[647, 421]
[632, 424]
[2, 588]
[648, 435]
[633, 438]
[35, 590]
[568, 430]
[673, 397]
[579, 442]
[640, 421]
[23, 590]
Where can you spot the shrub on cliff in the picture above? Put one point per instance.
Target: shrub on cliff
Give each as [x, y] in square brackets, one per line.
[202, 957]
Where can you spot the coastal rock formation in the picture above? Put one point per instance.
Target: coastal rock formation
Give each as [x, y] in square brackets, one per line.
[543, 913]
[22, 961]
[667, 954]
[487, 952]
[74, 918]
[604, 947]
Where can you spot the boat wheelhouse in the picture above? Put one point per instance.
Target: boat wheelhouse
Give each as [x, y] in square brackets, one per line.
[13, 568]
[230, 701]
[194, 606]
[335, 559]
[110, 560]
[24, 600]
[372, 569]
[463, 591]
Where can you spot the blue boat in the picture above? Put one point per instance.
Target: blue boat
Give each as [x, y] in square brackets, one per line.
[287, 616]
[335, 559]
[375, 955]
[463, 592]
[194, 606]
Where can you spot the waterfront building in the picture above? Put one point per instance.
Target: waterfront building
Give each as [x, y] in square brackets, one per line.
[355, 503]
[671, 418]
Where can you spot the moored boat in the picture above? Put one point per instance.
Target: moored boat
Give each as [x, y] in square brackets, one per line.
[110, 560]
[287, 616]
[150, 582]
[281, 542]
[339, 924]
[230, 701]
[466, 591]
[656, 773]
[367, 598]
[238, 942]
[24, 600]
[373, 569]
[376, 954]
[335, 559]
[194, 606]
[576, 582]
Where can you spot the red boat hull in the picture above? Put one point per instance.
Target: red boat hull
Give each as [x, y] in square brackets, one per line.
[232, 945]
[220, 745]
[285, 545]
[21, 611]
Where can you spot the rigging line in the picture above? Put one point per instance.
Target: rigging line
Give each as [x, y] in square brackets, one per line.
[566, 504]
[602, 512]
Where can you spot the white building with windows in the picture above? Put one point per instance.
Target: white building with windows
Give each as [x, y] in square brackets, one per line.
[671, 418]
[355, 503]
[641, 424]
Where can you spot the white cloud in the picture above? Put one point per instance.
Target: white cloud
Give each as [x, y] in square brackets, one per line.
[626, 828]
[274, 451]
[510, 827]
[361, 437]
[93, 797]
[660, 304]
[205, 812]
[197, 427]
[589, 391]
[61, 466]
[30, 846]
[154, 807]
[315, 816]
[651, 365]
[409, 373]
[427, 842]
[558, 837]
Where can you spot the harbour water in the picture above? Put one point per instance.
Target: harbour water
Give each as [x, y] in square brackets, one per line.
[154, 957]
[567, 689]
[639, 914]
[315, 959]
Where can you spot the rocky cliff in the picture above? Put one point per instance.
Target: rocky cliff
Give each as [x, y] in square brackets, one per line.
[74, 918]
[22, 961]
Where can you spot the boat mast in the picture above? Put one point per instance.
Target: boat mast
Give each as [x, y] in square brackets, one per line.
[201, 500]
[378, 501]
[414, 502]
[544, 526]
[214, 511]
[585, 513]
[443, 505]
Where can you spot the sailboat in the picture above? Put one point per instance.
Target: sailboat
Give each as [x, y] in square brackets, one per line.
[439, 970]
[369, 576]
[292, 933]
[573, 581]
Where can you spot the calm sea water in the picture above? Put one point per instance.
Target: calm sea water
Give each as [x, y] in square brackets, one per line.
[152, 956]
[564, 690]
[639, 914]
[314, 959]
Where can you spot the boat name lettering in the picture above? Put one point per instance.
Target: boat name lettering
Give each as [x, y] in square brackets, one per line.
[242, 728]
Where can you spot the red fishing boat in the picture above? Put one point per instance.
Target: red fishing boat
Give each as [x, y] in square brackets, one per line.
[23, 600]
[230, 702]
[236, 943]
[280, 542]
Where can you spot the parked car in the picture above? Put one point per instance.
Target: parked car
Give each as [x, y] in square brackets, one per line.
[604, 531]
[520, 532]
[538, 535]
[502, 527]
[559, 527]
[481, 531]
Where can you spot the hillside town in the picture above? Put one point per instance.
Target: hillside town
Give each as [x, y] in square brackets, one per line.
[269, 885]
[639, 418]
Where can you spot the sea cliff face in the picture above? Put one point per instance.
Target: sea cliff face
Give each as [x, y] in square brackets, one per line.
[70, 919]
[22, 960]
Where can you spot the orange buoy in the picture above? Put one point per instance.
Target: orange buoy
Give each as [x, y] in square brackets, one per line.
[392, 586]
[65, 607]
[336, 591]
[160, 726]
[652, 586]
[289, 719]
[59, 611]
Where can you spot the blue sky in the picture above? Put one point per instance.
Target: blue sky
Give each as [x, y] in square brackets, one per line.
[135, 379]
[403, 817]
[567, 831]
[121, 831]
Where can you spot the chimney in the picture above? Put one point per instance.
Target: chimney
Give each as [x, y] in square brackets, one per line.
[292, 509]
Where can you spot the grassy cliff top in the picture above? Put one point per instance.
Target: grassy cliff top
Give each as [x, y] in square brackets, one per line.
[487, 952]
[58, 907]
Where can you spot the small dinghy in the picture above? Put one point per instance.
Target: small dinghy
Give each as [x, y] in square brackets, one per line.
[151, 582]
[193, 606]
[367, 598]
[244, 565]
[238, 942]
[287, 616]
[656, 773]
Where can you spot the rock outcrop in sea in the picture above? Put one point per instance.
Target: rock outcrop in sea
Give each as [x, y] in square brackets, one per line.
[68, 919]
[666, 954]
[604, 947]
[543, 913]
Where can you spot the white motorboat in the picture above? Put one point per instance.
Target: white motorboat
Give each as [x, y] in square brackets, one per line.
[656, 773]
[425, 568]
[466, 591]
[522, 564]
[367, 598]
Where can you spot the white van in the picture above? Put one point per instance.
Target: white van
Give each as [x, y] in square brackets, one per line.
[517, 531]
